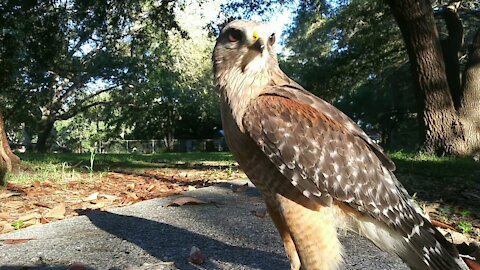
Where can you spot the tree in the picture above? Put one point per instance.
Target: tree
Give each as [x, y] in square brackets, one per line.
[8, 160]
[450, 106]
[70, 52]
[175, 98]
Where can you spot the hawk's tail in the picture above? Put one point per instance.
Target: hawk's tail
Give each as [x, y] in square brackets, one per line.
[423, 248]
[426, 248]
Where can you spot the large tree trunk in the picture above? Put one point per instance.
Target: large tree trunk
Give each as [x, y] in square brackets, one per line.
[439, 118]
[46, 127]
[469, 111]
[8, 160]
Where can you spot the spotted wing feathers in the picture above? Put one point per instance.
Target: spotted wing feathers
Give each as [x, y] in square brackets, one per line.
[327, 157]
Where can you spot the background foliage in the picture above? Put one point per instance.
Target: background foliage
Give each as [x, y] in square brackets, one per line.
[76, 72]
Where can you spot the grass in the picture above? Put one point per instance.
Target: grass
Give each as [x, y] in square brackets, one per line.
[451, 184]
[66, 167]
[443, 168]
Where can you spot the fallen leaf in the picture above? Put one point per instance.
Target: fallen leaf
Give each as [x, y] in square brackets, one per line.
[261, 213]
[196, 256]
[41, 204]
[132, 195]
[440, 224]
[91, 197]
[191, 188]
[16, 241]
[185, 201]
[131, 186]
[31, 222]
[12, 204]
[77, 266]
[96, 206]
[151, 187]
[6, 227]
[108, 197]
[9, 194]
[57, 212]
[44, 220]
[4, 215]
[30, 216]
[241, 188]
[47, 183]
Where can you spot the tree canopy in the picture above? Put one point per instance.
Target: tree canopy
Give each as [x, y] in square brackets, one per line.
[141, 69]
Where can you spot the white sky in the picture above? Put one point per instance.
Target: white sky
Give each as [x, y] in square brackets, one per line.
[196, 16]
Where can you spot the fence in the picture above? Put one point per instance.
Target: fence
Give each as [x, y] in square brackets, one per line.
[155, 146]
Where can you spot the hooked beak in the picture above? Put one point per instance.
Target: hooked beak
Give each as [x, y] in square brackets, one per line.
[253, 50]
[259, 45]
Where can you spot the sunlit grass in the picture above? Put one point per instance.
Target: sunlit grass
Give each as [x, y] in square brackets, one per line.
[65, 167]
[445, 169]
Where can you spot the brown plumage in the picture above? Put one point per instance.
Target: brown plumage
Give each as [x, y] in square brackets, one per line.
[317, 170]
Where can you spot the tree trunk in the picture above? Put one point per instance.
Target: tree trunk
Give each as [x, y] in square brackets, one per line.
[8, 160]
[438, 114]
[46, 127]
[469, 111]
[451, 47]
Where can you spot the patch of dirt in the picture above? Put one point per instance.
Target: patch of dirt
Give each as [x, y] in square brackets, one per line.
[27, 205]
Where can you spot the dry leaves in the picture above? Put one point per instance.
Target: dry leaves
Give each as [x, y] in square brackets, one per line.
[57, 212]
[261, 213]
[43, 202]
[241, 188]
[16, 241]
[185, 201]
[196, 256]
[5, 227]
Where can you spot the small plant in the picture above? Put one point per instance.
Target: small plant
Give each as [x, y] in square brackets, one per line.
[92, 161]
[443, 219]
[465, 226]
[466, 213]
[17, 224]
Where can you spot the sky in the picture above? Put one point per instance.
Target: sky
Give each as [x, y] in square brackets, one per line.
[196, 16]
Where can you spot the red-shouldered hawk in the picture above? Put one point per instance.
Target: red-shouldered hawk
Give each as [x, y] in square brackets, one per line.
[317, 170]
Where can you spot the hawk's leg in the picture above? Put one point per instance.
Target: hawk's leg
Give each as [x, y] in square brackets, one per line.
[273, 210]
[314, 234]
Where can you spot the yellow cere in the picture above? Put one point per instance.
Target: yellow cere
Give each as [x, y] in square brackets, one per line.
[255, 35]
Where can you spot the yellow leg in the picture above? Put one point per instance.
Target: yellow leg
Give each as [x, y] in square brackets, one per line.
[314, 234]
[282, 228]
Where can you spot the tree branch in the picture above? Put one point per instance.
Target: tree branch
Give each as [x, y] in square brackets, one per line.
[78, 109]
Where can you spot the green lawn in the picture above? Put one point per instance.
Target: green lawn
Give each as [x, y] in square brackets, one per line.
[39, 167]
[448, 185]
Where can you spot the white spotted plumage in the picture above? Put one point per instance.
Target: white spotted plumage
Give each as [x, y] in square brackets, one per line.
[322, 154]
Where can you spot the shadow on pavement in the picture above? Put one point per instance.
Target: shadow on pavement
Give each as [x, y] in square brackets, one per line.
[169, 243]
[36, 267]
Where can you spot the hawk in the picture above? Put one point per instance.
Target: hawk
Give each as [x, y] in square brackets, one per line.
[316, 169]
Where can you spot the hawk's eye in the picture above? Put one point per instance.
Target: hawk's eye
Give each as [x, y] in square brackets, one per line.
[234, 35]
[271, 39]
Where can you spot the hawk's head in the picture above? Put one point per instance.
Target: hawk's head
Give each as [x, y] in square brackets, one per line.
[244, 63]
[246, 46]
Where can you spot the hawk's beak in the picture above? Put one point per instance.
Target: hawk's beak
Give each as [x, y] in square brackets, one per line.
[253, 50]
[259, 45]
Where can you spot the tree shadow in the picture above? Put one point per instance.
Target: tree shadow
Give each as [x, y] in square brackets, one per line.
[169, 243]
[36, 267]
[454, 183]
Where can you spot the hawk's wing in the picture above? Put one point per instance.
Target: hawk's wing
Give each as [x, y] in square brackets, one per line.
[327, 157]
[324, 155]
